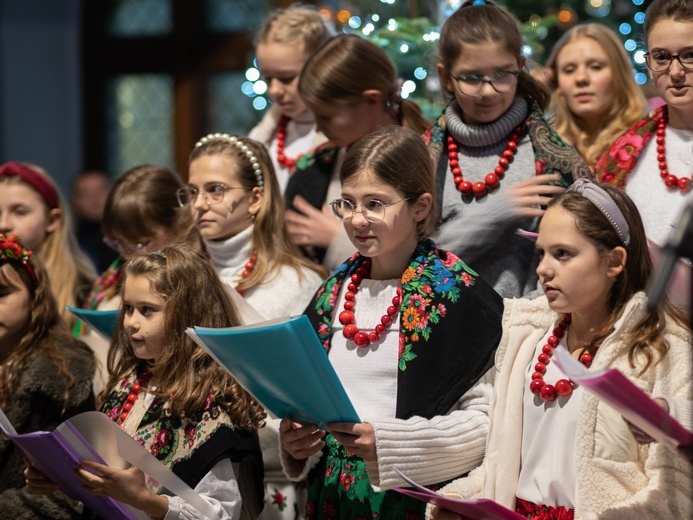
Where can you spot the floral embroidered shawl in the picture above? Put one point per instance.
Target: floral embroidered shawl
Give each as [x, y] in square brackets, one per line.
[614, 166]
[450, 326]
[551, 153]
[190, 446]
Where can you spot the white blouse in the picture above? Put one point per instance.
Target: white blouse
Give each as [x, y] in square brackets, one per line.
[548, 440]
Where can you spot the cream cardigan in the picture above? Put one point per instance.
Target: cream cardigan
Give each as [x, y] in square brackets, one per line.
[617, 479]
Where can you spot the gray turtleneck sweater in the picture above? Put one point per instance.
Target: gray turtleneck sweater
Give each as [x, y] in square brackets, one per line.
[482, 232]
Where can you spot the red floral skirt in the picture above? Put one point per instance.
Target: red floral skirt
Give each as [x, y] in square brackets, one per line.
[541, 512]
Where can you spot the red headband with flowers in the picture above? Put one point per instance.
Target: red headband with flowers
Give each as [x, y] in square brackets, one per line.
[33, 179]
[12, 250]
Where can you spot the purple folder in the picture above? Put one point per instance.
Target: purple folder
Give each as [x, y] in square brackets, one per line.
[56, 454]
[475, 509]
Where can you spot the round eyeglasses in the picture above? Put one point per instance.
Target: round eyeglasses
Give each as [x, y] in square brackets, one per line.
[212, 193]
[372, 210]
[659, 61]
[502, 82]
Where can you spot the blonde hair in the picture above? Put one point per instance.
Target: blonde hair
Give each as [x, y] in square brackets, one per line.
[69, 269]
[184, 373]
[270, 238]
[628, 105]
[345, 67]
[297, 24]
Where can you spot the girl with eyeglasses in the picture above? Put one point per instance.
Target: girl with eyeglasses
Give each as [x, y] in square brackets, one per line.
[411, 332]
[235, 202]
[498, 162]
[653, 160]
[141, 216]
[351, 86]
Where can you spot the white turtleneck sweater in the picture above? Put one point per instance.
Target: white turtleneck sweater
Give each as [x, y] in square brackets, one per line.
[301, 137]
[285, 292]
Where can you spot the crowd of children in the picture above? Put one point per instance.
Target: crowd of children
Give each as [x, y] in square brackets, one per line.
[440, 264]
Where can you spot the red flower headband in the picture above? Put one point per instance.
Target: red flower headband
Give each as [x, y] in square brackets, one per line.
[33, 179]
[12, 250]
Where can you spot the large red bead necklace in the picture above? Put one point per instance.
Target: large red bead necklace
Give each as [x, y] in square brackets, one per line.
[563, 387]
[131, 399]
[492, 180]
[248, 267]
[281, 138]
[672, 181]
[348, 318]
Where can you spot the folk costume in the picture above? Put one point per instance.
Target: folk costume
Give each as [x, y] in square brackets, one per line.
[286, 140]
[220, 460]
[427, 374]
[483, 229]
[654, 170]
[40, 403]
[603, 472]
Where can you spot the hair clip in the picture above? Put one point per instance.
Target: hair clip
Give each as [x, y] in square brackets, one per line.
[244, 148]
[159, 253]
[12, 250]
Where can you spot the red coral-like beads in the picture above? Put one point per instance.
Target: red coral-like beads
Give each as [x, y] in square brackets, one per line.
[563, 387]
[671, 181]
[491, 180]
[131, 399]
[281, 138]
[347, 317]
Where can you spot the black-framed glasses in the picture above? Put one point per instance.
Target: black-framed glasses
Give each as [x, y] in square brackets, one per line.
[502, 81]
[212, 193]
[659, 61]
[373, 210]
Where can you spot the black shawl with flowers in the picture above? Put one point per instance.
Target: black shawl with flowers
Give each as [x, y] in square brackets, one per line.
[450, 326]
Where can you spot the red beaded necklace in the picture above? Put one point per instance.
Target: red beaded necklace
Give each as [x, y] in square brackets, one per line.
[281, 137]
[248, 267]
[492, 180]
[563, 387]
[672, 181]
[347, 317]
[132, 397]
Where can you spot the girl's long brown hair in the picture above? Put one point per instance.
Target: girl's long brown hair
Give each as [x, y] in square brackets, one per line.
[475, 24]
[194, 296]
[646, 342]
[271, 239]
[345, 67]
[45, 333]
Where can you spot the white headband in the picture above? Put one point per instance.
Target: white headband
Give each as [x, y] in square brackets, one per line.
[254, 162]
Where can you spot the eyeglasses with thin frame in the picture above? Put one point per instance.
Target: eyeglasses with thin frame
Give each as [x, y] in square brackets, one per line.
[660, 60]
[502, 82]
[212, 193]
[372, 210]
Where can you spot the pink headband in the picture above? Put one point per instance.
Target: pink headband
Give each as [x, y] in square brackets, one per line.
[32, 178]
[12, 250]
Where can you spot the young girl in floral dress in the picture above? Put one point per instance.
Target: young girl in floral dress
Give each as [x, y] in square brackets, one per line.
[411, 332]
